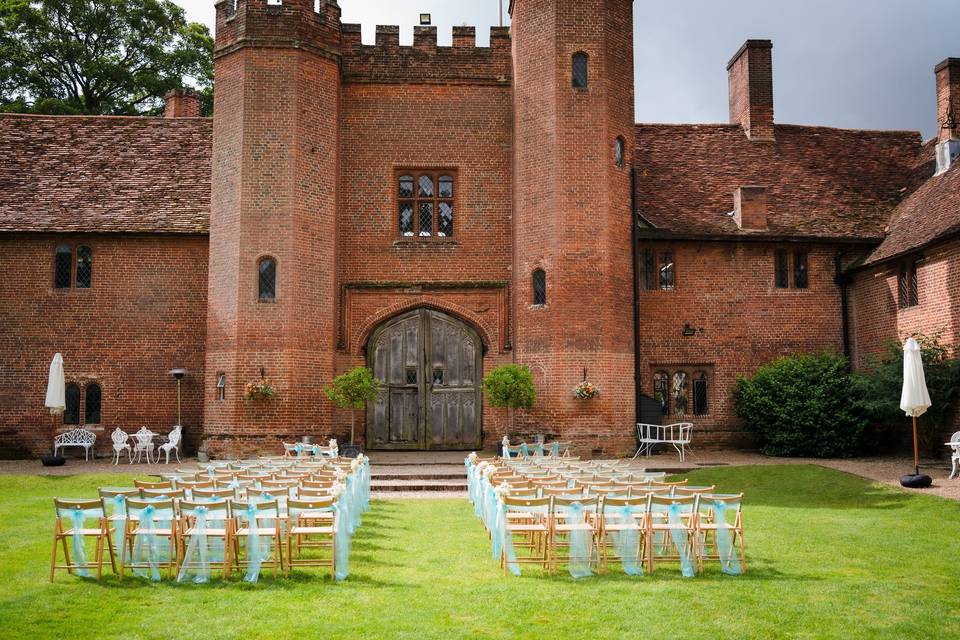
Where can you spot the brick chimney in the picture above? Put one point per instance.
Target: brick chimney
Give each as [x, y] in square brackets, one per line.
[750, 75]
[948, 99]
[181, 103]
[750, 208]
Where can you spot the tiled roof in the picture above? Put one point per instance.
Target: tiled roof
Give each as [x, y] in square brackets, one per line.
[821, 182]
[930, 213]
[104, 174]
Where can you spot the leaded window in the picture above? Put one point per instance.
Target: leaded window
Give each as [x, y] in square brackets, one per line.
[71, 396]
[800, 277]
[908, 289]
[619, 152]
[222, 386]
[580, 70]
[84, 267]
[63, 267]
[680, 394]
[267, 279]
[781, 267]
[661, 391]
[667, 271]
[425, 203]
[701, 405]
[539, 287]
[92, 399]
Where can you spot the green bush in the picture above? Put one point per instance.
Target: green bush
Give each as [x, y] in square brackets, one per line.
[801, 406]
[878, 392]
[510, 386]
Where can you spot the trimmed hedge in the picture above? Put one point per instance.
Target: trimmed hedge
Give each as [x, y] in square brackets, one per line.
[801, 405]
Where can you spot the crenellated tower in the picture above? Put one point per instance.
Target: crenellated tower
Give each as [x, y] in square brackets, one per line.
[273, 217]
[573, 141]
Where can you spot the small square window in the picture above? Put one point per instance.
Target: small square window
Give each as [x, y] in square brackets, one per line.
[438, 376]
[411, 375]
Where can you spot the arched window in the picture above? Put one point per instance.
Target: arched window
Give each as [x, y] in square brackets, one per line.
[619, 152]
[222, 386]
[661, 390]
[62, 267]
[71, 412]
[267, 279]
[701, 402]
[581, 70]
[680, 395]
[539, 287]
[91, 413]
[84, 267]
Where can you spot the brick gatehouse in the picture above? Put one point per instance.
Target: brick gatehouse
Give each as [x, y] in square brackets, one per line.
[434, 212]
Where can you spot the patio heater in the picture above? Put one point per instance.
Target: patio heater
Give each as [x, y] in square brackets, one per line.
[178, 375]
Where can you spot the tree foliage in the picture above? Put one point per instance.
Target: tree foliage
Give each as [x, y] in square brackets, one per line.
[879, 388]
[353, 389]
[802, 406]
[510, 386]
[99, 56]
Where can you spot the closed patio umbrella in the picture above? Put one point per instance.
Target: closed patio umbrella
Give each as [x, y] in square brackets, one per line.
[56, 390]
[914, 401]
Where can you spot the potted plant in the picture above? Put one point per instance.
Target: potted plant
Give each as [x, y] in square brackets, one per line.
[353, 390]
[511, 387]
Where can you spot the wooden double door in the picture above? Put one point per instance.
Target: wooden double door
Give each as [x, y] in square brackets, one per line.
[429, 366]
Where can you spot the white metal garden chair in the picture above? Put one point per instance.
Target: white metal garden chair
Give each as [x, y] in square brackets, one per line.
[954, 445]
[172, 444]
[121, 442]
[143, 444]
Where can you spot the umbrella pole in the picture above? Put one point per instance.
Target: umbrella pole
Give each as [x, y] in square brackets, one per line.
[916, 456]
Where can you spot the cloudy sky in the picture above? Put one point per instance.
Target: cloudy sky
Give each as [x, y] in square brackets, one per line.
[847, 63]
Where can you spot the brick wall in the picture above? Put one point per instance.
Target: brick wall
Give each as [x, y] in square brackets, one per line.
[725, 292]
[143, 315]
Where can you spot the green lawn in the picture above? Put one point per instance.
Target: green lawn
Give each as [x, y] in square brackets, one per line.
[829, 556]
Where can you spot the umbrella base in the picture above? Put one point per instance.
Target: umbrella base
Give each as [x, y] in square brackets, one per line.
[916, 481]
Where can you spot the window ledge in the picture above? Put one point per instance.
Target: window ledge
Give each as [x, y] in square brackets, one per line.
[415, 243]
[89, 427]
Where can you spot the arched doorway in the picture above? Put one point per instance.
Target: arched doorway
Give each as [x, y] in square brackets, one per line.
[429, 365]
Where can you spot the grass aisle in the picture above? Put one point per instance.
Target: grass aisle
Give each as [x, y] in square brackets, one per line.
[829, 556]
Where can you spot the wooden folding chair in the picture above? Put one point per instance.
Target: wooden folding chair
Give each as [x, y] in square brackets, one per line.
[73, 526]
[528, 518]
[672, 530]
[149, 517]
[212, 494]
[218, 528]
[617, 517]
[311, 526]
[716, 512]
[563, 525]
[148, 484]
[262, 519]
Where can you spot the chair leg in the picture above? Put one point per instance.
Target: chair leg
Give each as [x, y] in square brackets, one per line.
[953, 470]
[66, 554]
[53, 560]
[178, 455]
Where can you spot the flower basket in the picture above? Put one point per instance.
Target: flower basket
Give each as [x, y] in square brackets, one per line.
[585, 390]
[262, 390]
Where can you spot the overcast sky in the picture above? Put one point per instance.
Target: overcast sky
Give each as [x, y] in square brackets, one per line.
[847, 63]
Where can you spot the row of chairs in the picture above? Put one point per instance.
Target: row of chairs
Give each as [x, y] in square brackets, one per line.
[587, 532]
[590, 488]
[153, 526]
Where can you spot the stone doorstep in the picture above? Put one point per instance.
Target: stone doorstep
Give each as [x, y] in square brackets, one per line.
[417, 485]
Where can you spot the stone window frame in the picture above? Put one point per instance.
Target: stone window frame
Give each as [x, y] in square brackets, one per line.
[692, 373]
[657, 280]
[435, 173]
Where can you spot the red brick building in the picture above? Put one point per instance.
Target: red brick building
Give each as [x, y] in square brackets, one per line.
[433, 212]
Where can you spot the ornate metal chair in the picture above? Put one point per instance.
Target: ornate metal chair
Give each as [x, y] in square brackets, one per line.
[172, 443]
[120, 443]
[143, 444]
